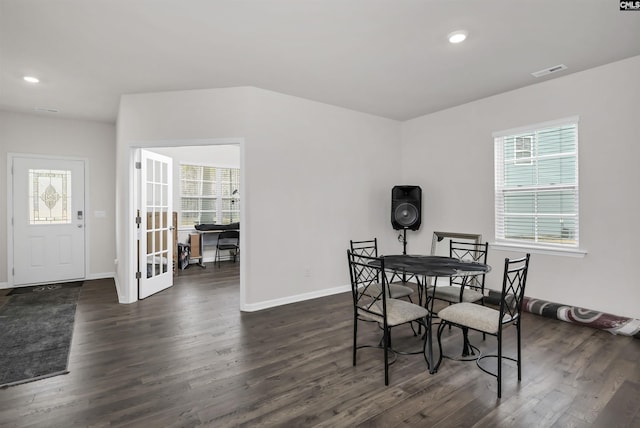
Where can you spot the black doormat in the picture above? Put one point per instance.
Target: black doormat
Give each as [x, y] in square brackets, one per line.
[37, 288]
[35, 338]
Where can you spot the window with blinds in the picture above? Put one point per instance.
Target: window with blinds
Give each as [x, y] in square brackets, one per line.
[536, 184]
[209, 195]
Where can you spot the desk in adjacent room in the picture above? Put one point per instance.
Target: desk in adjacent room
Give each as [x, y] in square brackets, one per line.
[196, 239]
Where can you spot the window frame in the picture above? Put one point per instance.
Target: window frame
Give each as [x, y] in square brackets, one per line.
[501, 188]
[519, 158]
[218, 195]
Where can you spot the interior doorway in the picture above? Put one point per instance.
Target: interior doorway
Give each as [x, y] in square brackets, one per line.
[210, 152]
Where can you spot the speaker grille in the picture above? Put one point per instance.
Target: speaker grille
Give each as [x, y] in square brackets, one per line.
[406, 214]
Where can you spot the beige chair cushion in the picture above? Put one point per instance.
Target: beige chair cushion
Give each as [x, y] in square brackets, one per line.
[398, 312]
[451, 294]
[475, 316]
[396, 290]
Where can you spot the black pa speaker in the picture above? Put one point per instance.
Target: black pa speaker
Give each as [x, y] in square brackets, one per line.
[406, 206]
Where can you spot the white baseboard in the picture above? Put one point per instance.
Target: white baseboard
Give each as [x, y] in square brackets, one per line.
[102, 275]
[4, 285]
[252, 307]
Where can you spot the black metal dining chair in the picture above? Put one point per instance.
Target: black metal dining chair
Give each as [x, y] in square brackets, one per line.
[463, 289]
[398, 286]
[493, 321]
[371, 303]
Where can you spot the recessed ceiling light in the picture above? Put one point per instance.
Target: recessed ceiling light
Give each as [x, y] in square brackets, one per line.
[457, 36]
[31, 79]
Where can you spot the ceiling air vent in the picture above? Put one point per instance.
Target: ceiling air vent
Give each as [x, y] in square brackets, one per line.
[549, 70]
[46, 110]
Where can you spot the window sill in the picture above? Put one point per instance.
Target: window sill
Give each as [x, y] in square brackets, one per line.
[537, 249]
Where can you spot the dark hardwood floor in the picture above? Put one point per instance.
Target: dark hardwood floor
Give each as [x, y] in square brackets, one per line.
[188, 357]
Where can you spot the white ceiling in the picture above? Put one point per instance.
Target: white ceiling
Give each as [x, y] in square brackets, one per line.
[386, 57]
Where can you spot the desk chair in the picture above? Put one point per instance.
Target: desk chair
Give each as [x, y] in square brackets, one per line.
[228, 240]
[493, 321]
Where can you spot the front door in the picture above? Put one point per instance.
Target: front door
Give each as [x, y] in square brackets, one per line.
[156, 244]
[48, 220]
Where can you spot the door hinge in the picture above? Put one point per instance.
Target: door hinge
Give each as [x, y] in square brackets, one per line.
[138, 221]
[138, 165]
[138, 275]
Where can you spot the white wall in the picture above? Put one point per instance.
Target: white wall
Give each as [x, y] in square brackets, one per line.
[317, 176]
[450, 154]
[94, 141]
[313, 176]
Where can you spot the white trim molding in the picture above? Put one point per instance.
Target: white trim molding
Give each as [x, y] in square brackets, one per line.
[100, 275]
[252, 307]
[536, 249]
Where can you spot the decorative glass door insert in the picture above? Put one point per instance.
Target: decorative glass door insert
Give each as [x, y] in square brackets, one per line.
[49, 196]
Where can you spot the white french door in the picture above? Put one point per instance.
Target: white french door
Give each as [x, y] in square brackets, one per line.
[155, 257]
[48, 220]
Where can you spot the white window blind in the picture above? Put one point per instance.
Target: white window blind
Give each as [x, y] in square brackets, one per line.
[209, 195]
[536, 184]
